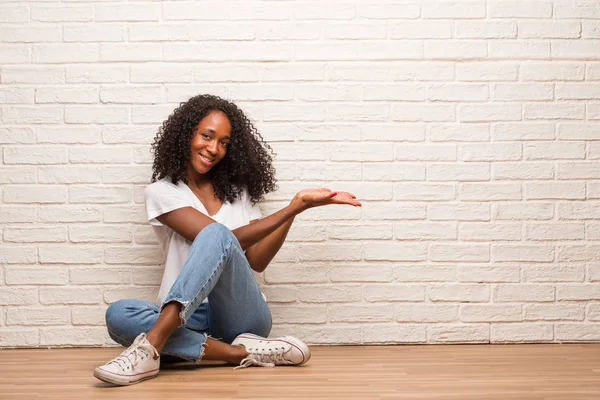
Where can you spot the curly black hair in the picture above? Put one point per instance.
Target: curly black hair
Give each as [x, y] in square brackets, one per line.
[247, 163]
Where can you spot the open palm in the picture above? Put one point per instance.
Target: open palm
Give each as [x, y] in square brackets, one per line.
[324, 196]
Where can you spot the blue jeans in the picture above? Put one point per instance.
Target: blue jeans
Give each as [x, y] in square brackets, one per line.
[216, 268]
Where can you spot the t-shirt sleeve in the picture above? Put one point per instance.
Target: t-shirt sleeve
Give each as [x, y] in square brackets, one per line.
[162, 197]
[252, 210]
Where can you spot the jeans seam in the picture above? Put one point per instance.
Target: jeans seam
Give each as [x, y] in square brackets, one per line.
[215, 269]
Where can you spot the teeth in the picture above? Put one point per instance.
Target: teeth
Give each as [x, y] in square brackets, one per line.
[207, 159]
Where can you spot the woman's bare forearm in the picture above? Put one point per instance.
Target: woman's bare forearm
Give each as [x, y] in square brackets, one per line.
[250, 234]
[260, 255]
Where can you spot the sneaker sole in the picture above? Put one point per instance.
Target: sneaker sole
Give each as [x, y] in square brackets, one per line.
[122, 380]
[297, 343]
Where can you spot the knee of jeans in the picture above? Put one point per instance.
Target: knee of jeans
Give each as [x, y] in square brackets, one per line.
[115, 315]
[216, 230]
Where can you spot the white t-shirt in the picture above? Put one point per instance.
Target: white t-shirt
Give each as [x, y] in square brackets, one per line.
[163, 196]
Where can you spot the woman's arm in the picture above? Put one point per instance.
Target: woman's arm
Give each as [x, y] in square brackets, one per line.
[261, 254]
[188, 222]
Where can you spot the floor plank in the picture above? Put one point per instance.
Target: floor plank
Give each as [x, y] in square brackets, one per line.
[448, 372]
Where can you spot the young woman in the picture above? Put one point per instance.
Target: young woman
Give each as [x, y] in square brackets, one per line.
[210, 169]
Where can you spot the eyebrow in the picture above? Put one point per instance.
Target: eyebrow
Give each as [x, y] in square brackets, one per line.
[213, 132]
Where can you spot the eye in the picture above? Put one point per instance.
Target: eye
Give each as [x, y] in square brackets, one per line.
[225, 144]
[206, 136]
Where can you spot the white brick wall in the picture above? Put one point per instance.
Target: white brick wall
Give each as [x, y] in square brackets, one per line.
[469, 128]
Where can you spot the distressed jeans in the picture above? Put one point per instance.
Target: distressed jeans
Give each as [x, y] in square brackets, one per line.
[217, 269]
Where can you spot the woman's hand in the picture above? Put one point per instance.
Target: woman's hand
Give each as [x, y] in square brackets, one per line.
[309, 198]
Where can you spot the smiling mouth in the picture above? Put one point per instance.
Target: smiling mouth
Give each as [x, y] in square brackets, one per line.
[208, 160]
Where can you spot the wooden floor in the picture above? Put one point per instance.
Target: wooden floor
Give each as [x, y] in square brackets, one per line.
[507, 372]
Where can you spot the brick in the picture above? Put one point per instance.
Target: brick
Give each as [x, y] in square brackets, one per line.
[511, 293]
[489, 112]
[100, 275]
[351, 31]
[99, 194]
[128, 12]
[458, 132]
[218, 52]
[399, 333]
[14, 13]
[68, 174]
[100, 155]
[485, 273]
[459, 252]
[458, 9]
[522, 131]
[525, 253]
[397, 71]
[193, 11]
[523, 91]
[70, 254]
[30, 33]
[15, 174]
[393, 292]
[425, 231]
[88, 315]
[131, 95]
[147, 255]
[577, 9]
[521, 49]
[549, 29]
[551, 71]
[583, 291]
[71, 213]
[457, 92]
[330, 252]
[59, 53]
[490, 313]
[100, 234]
[14, 54]
[575, 49]
[489, 191]
[422, 30]
[487, 71]
[575, 252]
[96, 115]
[456, 49]
[523, 171]
[132, 174]
[393, 211]
[486, 29]
[554, 190]
[299, 314]
[64, 336]
[554, 151]
[517, 9]
[523, 211]
[489, 152]
[13, 214]
[424, 191]
[336, 171]
[329, 294]
[96, 74]
[137, 292]
[363, 112]
[464, 293]
[32, 115]
[504, 333]
[458, 172]
[396, 92]
[17, 135]
[16, 95]
[425, 152]
[365, 231]
[466, 333]
[415, 312]
[35, 235]
[424, 273]
[360, 313]
[553, 273]
[459, 212]
[19, 337]
[38, 316]
[97, 32]
[35, 194]
[489, 231]
[17, 296]
[361, 273]
[388, 10]
[554, 312]
[576, 332]
[577, 170]
[163, 32]
[361, 152]
[411, 112]
[393, 172]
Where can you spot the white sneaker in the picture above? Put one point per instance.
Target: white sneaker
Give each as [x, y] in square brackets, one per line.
[138, 362]
[284, 350]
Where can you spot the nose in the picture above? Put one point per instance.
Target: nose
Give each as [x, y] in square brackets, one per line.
[212, 147]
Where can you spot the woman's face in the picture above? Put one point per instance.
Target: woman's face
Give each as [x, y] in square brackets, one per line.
[210, 141]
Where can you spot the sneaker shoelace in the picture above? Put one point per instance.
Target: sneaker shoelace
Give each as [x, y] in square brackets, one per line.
[139, 352]
[270, 359]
